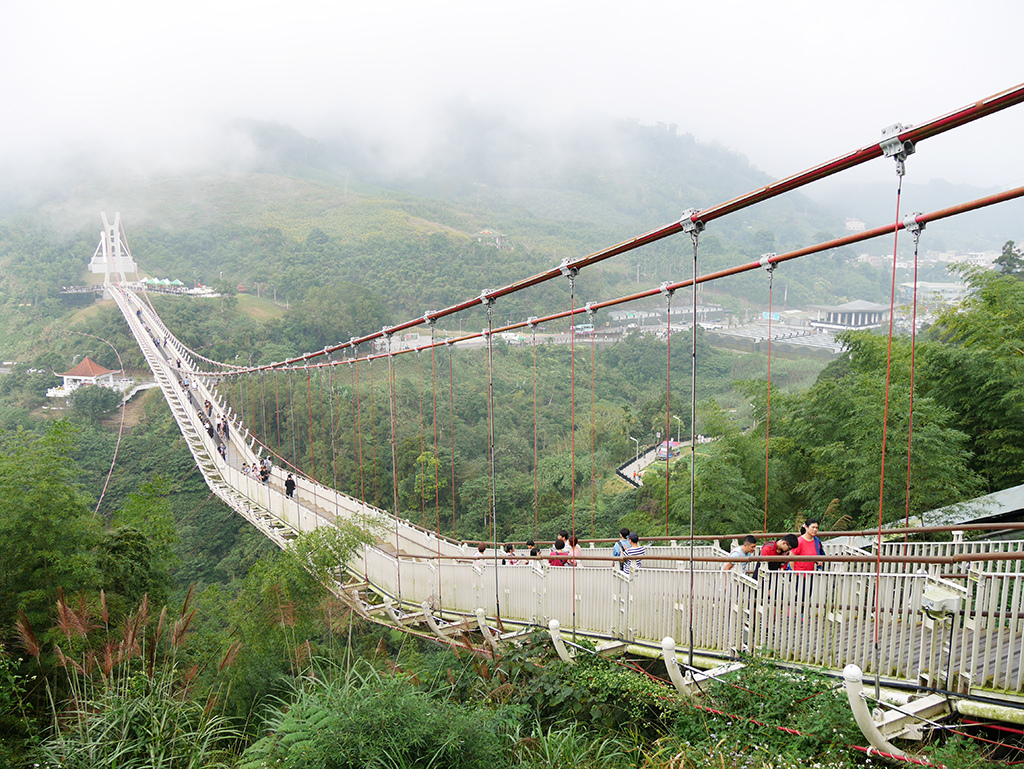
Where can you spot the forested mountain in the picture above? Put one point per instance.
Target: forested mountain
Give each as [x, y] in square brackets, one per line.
[310, 213]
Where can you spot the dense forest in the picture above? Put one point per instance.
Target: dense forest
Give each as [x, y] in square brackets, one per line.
[142, 607]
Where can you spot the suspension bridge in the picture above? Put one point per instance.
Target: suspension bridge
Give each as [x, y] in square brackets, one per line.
[945, 618]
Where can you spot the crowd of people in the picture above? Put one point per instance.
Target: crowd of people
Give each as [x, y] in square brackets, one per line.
[259, 470]
[807, 543]
[628, 552]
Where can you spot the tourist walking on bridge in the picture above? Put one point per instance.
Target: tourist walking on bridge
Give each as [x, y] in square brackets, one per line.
[741, 553]
[781, 546]
[621, 547]
[635, 549]
[808, 543]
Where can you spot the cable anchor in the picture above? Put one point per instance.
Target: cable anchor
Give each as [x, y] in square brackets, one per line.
[894, 147]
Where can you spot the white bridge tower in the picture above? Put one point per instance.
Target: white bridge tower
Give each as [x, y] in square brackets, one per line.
[112, 254]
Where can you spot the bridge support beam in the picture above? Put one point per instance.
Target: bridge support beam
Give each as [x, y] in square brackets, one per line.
[556, 638]
[481, 620]
[853, 677]
[668, 649]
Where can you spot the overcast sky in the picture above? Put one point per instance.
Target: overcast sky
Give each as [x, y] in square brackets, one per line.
[788, 84]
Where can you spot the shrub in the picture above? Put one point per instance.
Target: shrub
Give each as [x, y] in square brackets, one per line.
[368, 719]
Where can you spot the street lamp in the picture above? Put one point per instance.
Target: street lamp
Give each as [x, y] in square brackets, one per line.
[679, 427]
[637, 460]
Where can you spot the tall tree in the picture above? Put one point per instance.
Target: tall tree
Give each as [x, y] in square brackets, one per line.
[48, 533]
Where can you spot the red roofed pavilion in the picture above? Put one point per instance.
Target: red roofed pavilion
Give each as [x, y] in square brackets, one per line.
[88, 372]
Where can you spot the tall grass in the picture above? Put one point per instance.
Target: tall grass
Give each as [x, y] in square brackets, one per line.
[125, 702]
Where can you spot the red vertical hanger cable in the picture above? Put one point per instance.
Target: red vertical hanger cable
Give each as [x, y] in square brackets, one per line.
[900, 170]
[451, 403]
[768, 397]
[915, 228]
[373, 434]
[437, 463]
[536, 507]
[423, 496]
[312, 443]
[394, 465]
[668, 394]
[593, 344]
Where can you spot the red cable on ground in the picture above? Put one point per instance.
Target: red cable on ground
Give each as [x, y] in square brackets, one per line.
[797, 733]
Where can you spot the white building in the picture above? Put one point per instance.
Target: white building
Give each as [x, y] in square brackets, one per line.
[88, 372]
[852, 315]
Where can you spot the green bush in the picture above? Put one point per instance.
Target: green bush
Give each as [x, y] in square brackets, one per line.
[368, 719]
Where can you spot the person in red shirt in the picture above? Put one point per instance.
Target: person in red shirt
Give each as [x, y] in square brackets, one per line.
[807, 544]
[559, 551]
[781, 546]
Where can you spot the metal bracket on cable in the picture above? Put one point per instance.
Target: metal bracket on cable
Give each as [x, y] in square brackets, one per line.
[913, 226]
[893, 147]
[568, 270]
[689, 224]
[532, 321]
[767, 263]
[485, 297]
[591, 310]
[429, 319]
[664, 288]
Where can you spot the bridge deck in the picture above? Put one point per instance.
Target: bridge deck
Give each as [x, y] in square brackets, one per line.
[826, 620]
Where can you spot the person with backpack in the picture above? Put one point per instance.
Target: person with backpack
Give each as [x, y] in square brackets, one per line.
[808, 543]
[620, 548]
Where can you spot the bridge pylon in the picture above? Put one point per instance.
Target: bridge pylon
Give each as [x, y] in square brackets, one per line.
[112, 254]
